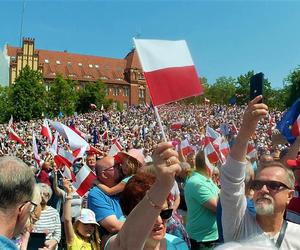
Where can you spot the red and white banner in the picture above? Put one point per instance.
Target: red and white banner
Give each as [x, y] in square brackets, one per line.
[168, 69]
[84, 180]
[12, 135]
[46, 131]
[35, 151]
[296, 127]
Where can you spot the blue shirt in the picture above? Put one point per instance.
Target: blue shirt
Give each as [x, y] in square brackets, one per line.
[7, 244]
[103, 206]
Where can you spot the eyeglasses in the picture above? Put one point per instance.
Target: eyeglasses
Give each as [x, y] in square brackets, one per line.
[166, 214]
[271, 185]
[110, 168]
[33, 206]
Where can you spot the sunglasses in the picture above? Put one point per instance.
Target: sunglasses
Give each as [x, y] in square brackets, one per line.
[271, 185]
[166, 214]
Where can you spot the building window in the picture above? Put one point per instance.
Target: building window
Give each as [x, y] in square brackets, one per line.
[125, 105]
[103, 78]
[115, 91]
[90, 65]
[141, 93]
[96, 66]
[126, 91]
[58, 62]
[69, 63]
[80, 64]
[46, 61]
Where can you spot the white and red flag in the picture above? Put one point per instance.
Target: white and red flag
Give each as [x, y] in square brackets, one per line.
[296, 127]
[84, 180]
[46, 131]
[35, 151]
[168, 69]
[211, 134]
[75, 141]
[77, 131]
[251, 151]
[11, 120]
[186, 148]
[116, 147]
[12, 135]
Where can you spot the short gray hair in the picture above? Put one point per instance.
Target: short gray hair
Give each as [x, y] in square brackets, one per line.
[44, 188]
[16, 182]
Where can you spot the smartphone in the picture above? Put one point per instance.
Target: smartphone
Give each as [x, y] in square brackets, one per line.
[256, 85]
[36, 241]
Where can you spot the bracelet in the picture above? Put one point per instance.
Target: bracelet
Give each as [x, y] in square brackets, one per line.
[151, 202]
[69, 198]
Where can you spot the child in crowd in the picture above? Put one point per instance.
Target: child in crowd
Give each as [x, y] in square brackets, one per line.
[83, 234]
[130, 163]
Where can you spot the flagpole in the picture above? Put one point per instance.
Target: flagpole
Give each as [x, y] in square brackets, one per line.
[160, 124]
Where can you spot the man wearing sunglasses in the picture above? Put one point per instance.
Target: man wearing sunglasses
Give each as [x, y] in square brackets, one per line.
[106, 207]
[16, 189]
[273, 190]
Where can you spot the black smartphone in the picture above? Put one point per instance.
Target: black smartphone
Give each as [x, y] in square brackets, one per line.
[36, 241]
[256, 85]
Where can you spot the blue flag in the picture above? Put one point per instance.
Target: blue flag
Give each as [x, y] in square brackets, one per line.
[287, 121]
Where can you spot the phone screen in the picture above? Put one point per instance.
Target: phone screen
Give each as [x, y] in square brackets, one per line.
[256, 85]
[36, 241]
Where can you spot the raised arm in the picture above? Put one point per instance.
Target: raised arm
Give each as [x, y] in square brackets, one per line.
[67, 213]
[232, 196]
[58, 192]
[292, 152]
[112, 190]
[137, 227]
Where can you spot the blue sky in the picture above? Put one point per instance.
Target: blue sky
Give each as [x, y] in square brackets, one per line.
[226, 38]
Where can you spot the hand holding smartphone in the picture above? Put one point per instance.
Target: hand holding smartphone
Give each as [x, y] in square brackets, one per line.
[36, 241]
[256, 85]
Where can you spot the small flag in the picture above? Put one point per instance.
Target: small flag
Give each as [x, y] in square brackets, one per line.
[35, 151]
[46, 131]
[116, 147]
[12, 135]
[84, 180]
[168, 69]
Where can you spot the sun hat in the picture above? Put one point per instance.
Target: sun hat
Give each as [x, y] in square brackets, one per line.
[294, 163]
[135, 155]
[87, 216]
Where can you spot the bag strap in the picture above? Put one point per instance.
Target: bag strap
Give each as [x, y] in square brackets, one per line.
[281, 234]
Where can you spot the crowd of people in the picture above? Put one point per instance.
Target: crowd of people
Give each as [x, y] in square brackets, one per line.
[152, 195]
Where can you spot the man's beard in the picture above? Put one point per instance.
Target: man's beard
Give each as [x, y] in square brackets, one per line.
[264, 208]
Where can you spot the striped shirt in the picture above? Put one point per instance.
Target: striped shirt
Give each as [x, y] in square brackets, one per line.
[49, 223]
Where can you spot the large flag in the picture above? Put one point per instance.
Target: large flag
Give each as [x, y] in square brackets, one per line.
[211, 134]
[84, 180]
[46, 131]
[75, 141]
[12, 135]
[287, 121]
[169, 70]
[35, 151]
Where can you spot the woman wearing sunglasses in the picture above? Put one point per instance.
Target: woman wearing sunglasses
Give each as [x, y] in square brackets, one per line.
[144, 203]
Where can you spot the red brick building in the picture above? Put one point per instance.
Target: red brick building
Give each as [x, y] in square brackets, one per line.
[123, 77]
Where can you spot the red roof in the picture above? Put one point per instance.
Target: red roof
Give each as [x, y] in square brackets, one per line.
[83, 67]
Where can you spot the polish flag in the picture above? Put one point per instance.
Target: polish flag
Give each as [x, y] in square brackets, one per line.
[104, 136]
[46, 131]
[77, 131]
[75, 141]
[234, 129]
[211, 153]
[68, 158]
[84, 180]
[116, 147]
[224, 149]
[296, 127]
[169, 70]
[186, 148]
[176, 126]
[211, 134]
[94, 151]
[68, 173]
[12, 135]
[35, 151]
[209, 166]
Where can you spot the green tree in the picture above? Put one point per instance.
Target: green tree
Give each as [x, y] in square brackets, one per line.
[222, 90]
[62, 96]
[27, 95]
[92, 93]
[4, 104]
[292, 86]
